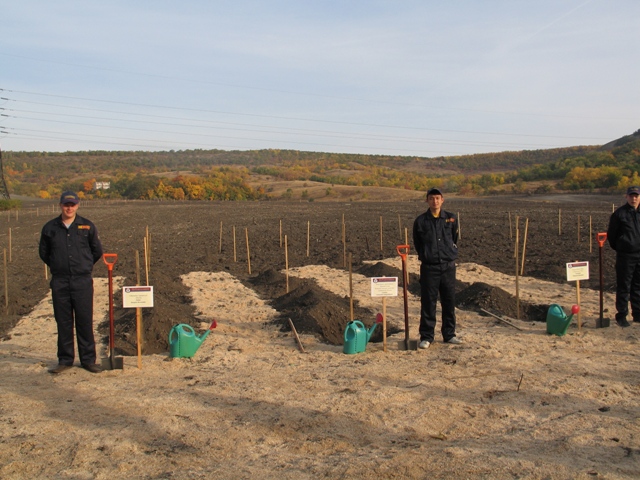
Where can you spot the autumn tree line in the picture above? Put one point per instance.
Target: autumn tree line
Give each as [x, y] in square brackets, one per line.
[224, 175]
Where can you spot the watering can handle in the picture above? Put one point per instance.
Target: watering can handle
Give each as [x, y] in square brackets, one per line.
[403, 250]
[110, 260]
[601, 237]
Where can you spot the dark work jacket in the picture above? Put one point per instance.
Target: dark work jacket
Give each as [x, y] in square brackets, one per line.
[73, 251]
[435, 239]
[623, 233]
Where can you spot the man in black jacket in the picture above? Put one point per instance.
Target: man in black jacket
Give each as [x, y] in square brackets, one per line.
[435, 237]
[70, 246]
[624, 237]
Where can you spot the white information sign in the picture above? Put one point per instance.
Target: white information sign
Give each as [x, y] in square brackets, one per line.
[135, 297]
[577, 271]
[384, 287]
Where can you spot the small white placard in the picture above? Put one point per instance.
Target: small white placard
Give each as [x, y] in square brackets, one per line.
[577, 271]
[384, 287]
[135, 297]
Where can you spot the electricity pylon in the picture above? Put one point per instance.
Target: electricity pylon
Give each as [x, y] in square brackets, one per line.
[4, 191]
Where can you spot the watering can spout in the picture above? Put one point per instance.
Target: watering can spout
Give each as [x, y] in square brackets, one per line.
[202, 337]
[373, 327]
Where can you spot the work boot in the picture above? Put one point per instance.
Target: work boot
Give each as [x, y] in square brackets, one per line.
[93, 368]
[59, 369]
[454, 341]
[623, 322]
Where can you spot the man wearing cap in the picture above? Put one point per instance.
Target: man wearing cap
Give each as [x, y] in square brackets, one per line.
[435, 237]
[624, 237]
[70, 246]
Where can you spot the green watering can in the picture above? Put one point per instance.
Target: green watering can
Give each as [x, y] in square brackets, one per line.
[557, 320]
[356, 336]
[183, 341]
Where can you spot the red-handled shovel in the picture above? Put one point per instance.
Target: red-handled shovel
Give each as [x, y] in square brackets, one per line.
[111, 363]
[602, 322]
[403, 251]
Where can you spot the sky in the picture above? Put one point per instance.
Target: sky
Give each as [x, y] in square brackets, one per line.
[392, 77]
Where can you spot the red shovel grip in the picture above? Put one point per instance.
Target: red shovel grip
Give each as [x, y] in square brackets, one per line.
[110, 260]
[403, 251]
[601, 237]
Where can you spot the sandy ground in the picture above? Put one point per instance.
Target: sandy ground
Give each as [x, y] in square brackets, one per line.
[507, 403]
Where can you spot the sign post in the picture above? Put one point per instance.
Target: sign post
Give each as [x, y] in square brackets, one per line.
[138, 297]
[577, 271]
[384, 287]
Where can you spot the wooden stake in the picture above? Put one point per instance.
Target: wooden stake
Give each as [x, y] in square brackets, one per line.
[10, 249]
[406, 236]
[137, 268]
[6, 283]
[280, 233]
[517, 222]
[220, 242]
[350, 289]
[524, 245]
[295, 334]
[308, 235]
[344, 244]
[146, 264]
[459, 228]
[46, 271]
[148, 248]
[517, 273]
[384, 324]
[138, 316]
[286, 263]
[246, 234]
[578, 301]
[590, 235]
[235, 258]
[501, 319]
[381, 247]
[559, 221]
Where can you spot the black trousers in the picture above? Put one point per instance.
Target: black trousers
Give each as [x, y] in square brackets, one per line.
[73, 306]
[627, 286]
[434, 280]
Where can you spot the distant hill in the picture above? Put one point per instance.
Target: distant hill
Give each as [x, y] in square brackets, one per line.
[236, 175]
[621, 141]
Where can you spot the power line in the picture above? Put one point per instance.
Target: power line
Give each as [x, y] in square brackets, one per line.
[336, 122]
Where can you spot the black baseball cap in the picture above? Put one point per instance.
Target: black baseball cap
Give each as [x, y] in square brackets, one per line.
[633, 191]
[69, 197]
[434, 191]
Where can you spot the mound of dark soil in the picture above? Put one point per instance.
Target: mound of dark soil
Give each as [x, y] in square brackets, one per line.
[311, 309]
[379, 269]
[480, 295]
[171, 308]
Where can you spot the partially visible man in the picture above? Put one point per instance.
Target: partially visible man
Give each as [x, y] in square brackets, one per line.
[624, 237]
[435, 237]
[70, 246]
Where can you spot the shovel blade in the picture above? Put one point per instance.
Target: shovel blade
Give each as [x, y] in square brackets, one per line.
[413, 345]
[112, 363]
[603, 322]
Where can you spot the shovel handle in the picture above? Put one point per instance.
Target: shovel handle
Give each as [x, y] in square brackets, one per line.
[110, 260]
[601, 237]
[403, 251]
